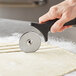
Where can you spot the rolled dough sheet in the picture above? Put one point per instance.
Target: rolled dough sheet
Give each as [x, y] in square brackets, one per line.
[44, 62]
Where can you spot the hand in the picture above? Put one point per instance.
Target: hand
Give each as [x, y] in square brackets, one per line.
[64, 11]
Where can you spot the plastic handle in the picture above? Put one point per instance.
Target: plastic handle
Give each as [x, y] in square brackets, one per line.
[44, 28]
[51, 22]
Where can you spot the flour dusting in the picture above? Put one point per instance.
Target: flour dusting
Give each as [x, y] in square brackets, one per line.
[62, 43]
[11, 39]
[68, 45]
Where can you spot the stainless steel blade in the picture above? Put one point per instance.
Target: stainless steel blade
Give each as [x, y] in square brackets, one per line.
[30, 42]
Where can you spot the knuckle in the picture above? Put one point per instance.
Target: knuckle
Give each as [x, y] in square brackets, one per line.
[59, 24]
[67, 16]
[53, 9]
[48, 14]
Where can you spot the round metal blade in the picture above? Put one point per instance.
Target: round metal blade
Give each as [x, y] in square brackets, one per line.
[30, 42]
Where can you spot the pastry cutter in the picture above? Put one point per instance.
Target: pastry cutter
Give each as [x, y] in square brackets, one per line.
[30, 41]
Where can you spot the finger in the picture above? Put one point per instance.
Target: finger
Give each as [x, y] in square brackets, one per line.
[65, 27]
[50, 15]
[44, 18]
[59, 24]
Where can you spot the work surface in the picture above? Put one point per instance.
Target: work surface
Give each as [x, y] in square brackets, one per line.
[50, 60]
[47, 61]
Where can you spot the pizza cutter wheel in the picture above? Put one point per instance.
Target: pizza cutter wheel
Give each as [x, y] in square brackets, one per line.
[30, 42]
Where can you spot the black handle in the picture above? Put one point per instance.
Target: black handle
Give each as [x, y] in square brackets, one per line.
[44, 28]
[72, 22]
[51, 22]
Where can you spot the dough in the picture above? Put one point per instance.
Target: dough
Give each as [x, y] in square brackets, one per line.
[45, 62]
[14, 47]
